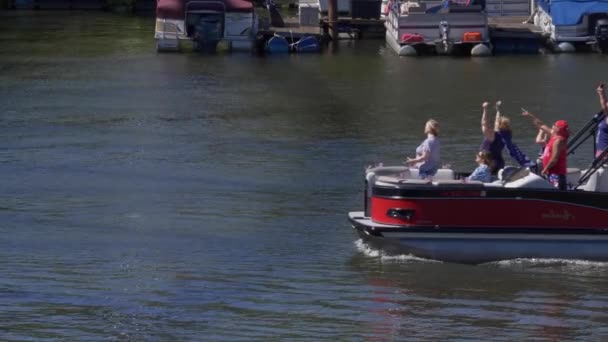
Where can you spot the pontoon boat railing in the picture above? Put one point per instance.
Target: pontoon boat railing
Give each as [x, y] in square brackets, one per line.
[221, 3]
[597, 163]
[190, 3]
[590, 130]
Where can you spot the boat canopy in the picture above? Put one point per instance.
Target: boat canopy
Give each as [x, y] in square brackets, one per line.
[570, 12]
[175, 9]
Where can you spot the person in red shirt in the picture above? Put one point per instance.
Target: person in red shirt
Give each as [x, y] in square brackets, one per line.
[554, 156]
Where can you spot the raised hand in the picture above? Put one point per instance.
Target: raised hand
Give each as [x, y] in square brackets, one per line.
[498, 103]
[485, 105]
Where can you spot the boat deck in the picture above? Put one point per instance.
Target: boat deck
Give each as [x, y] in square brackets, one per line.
[513, 27]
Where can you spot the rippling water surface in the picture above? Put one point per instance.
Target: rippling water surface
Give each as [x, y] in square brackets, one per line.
[184, 197]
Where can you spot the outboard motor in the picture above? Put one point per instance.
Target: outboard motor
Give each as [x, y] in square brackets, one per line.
[601, 35]
[207, 33]
[444, 33]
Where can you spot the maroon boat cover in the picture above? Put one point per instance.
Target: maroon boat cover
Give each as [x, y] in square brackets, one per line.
[175, 9]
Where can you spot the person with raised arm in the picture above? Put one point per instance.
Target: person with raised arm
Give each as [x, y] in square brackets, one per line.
[498, 137]
[554, 156]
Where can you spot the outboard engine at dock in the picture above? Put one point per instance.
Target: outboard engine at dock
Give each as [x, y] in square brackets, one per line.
[444, 46]
[601, 35]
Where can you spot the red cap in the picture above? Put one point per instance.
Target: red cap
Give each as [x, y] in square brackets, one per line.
[562, 128]
[561, 124]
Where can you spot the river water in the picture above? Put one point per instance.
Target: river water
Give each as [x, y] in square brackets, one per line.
[167, 197]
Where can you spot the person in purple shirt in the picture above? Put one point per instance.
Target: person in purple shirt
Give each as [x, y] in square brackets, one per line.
[427, 159]
[499, 137]
[601, 140]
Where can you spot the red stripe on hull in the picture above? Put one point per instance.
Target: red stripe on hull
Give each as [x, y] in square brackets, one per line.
[491, 213]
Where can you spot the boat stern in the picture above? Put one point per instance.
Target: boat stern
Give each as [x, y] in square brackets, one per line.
[453, 30]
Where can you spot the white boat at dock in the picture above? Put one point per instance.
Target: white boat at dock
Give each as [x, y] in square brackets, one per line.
[209, 24]
[413, 28]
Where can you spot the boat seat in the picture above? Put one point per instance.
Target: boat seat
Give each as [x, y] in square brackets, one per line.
[532, 180]
[495, 184]
[449, 182]
[444, 174]
[388, 170]
[512, 173]
[602, 184]
[591, 183]
[459, 184]
[384, 180]
[387, 179]
[414, 181]
[395, 175]
[596, 182]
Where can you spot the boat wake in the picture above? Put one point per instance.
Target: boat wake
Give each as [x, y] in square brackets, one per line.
[377, 253]
[573, 264]
[521, 263]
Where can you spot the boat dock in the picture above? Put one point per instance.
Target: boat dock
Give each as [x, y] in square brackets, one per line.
[513, 34]
[512, 26]
[509, 34]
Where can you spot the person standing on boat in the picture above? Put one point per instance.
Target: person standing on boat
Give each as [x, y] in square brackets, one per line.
[427, 159]
[499, 137]
[601, 140]
[554, 157]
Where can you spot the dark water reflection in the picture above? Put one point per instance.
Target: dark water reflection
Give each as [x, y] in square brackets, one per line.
[186, 197]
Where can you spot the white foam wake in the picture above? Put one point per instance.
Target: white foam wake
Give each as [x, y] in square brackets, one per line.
[574, 263]
[376, 253]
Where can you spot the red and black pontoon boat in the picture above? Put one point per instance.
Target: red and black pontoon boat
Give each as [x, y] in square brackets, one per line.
[517, 216]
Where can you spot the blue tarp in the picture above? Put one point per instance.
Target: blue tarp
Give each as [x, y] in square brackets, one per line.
[570, 12]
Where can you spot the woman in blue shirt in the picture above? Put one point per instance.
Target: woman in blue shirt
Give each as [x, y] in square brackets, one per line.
[483, 172]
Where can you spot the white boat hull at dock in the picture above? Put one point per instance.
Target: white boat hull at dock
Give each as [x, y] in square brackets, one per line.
[412, 31]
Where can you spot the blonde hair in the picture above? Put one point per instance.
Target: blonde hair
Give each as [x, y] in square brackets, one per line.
[432, 127]
[504, 123]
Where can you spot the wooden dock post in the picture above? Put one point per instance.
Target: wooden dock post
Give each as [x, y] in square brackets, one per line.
[332, 13]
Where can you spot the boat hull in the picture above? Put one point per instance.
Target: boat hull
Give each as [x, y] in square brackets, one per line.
[475, 245]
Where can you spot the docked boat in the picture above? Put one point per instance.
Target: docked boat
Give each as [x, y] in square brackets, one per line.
[573, 25]
[414, 28]
[208, 25]
[520, 215]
